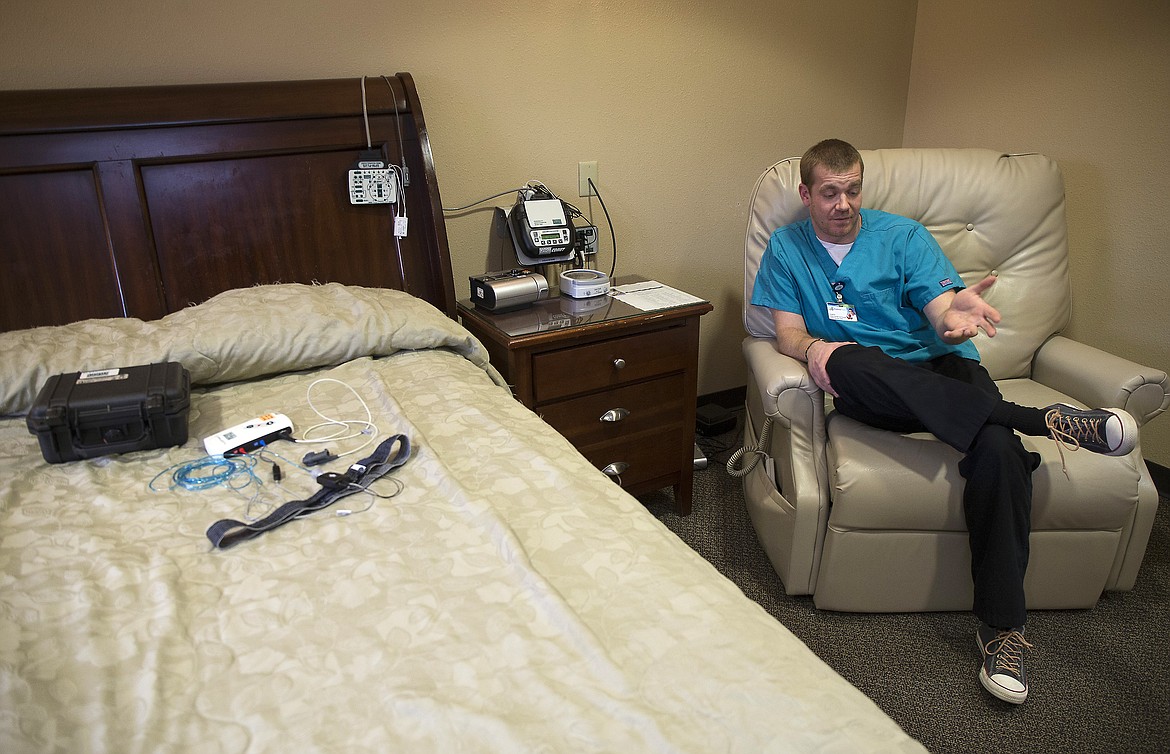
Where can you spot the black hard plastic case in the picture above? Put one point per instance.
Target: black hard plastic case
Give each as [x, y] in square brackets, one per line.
[98, 413]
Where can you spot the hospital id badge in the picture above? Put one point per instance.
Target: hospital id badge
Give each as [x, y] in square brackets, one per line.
[842, 312]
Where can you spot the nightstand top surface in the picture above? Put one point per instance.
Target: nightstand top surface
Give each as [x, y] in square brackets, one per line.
[560, 312]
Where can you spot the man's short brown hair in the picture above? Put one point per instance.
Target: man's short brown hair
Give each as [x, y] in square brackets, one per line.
[836, 155]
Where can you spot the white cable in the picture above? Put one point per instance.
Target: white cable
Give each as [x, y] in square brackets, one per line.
[396, 176]
[398, 128]
[366, 115]
[344, 425]
[398, 171]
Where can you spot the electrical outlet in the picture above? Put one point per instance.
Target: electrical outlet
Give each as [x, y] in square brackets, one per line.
[586, 171]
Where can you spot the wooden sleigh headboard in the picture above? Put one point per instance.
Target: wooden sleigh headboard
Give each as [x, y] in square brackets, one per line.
[140, 201]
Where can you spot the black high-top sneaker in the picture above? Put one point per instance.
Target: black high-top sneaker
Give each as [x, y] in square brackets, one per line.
[1003, 662]
[1109, 431]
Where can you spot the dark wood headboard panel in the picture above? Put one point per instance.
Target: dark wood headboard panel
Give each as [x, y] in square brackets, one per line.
[140, 201]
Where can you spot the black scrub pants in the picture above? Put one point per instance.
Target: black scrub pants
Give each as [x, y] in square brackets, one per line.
[952, 397]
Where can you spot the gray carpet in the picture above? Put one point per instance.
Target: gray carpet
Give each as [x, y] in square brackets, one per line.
[1099, 679]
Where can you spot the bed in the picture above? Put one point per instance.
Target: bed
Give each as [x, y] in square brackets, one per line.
[494, 592]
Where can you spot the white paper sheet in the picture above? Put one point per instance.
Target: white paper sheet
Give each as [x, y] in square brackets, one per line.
[651, 295]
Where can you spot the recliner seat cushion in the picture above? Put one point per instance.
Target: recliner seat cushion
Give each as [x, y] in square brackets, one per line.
[885, 481]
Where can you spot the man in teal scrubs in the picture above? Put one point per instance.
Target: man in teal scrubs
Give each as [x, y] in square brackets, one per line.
[870, 302]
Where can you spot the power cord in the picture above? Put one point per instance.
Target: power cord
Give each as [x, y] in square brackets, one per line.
[533, 187]
[478, 202]
[612, 235]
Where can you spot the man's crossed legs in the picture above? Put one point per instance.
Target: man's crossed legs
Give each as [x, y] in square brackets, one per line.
[956, 400]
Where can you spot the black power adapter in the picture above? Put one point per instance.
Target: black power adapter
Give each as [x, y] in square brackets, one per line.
[712, 419]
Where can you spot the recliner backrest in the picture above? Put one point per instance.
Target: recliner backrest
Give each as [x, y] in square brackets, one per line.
[990, 212]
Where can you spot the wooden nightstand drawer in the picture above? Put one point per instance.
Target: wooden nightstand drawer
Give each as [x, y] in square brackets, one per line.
[638, 460]
[572, 371]
[620, 412]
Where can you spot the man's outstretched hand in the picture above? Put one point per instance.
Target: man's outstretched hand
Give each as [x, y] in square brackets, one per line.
[969, 313]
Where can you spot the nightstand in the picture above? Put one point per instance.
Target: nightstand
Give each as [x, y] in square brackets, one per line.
[618, 382]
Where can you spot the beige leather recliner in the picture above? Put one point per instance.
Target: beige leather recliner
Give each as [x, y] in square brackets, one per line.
[872, 521]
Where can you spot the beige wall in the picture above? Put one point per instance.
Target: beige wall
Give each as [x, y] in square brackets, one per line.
[682, 104]
[1087, 83]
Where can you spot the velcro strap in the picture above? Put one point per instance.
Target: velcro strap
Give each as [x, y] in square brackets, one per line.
[227, 532]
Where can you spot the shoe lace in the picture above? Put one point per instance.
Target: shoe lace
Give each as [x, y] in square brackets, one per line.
[1070, 431]
[1008, 649]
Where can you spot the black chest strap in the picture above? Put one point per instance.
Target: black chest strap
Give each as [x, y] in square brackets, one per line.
[227, 532]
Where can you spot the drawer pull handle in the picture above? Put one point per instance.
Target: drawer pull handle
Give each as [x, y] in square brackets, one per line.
[615, 470]
[619, 363]
[615, 415]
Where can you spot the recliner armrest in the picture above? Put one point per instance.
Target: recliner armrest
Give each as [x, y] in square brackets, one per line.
[790, 506]
[787, 392]
[1100, 379]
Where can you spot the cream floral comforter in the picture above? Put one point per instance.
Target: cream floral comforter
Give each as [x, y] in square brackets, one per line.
[510, 598]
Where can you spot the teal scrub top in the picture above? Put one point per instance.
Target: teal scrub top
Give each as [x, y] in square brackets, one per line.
[893, 271]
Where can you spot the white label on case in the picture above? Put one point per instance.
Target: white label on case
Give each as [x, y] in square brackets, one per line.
[98, 374]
